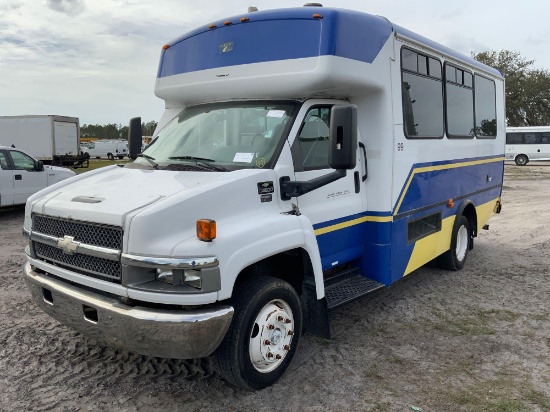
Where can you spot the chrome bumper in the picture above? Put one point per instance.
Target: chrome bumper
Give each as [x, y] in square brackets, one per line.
[154, 332]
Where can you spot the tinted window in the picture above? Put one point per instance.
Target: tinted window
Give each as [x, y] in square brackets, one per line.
[3, 161]
[545, 138]
[313, 138]
[532, 138]
[409, 60]
[21, 161]
[459, 102]
[514, 138]
[485, 113]
[422, 96]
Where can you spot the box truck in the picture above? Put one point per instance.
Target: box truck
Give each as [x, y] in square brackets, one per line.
[54, 140]
[286, 178]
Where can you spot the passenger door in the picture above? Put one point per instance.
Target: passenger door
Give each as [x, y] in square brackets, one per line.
[27, 180]
[6, 180]
[334, 210]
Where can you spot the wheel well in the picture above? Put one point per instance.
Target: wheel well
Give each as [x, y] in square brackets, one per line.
[290, 266]
[470, 213]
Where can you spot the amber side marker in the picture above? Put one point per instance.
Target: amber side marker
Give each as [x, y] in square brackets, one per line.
[166, 47]
[227, 23]
[212, 26]
[244, 19]
[206, 230]
[450, 203]
[317, 16]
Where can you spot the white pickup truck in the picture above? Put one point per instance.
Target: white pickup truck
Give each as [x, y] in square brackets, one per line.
[21, 176]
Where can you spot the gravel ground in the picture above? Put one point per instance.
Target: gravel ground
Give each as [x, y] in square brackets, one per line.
[472, 340]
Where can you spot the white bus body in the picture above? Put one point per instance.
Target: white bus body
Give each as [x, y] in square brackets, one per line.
[306, 157]
[524, 144]
[106, 148]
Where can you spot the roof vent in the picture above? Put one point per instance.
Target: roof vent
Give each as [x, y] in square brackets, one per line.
[252, 9]
[313, 5]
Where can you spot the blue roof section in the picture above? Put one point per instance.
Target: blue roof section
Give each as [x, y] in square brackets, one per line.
[283, 34]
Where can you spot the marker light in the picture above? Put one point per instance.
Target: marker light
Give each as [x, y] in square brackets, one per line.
[450, 203]
[206, 230]
[212, 26]
[166, 47]
[244, 19]
[227, 23]
[317, 16]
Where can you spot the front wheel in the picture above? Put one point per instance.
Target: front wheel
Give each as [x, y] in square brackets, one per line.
[455, 257]
[264, 333]
[521, 160]
[110, 156]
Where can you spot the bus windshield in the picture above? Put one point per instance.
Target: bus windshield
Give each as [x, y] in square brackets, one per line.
[221, 136]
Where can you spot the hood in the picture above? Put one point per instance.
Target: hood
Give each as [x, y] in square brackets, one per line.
[107, 197]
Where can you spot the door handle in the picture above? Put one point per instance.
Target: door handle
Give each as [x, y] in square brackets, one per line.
[18, 177]
[362, 146]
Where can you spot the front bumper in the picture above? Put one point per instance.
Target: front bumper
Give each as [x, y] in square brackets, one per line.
[155, 332]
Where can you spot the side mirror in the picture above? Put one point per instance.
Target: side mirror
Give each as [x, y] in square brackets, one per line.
[343, 137]
[39, 166]
[134, 138]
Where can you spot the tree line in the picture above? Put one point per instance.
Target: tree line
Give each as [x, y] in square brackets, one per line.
[114, 131]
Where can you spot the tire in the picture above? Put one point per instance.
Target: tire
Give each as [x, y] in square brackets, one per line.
[266, 326]
[110, 156]
[521, 160]
[455, 257]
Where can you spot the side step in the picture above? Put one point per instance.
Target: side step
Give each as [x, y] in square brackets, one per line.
[347, 286]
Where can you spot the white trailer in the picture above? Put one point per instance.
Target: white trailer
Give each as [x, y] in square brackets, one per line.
[51, 139]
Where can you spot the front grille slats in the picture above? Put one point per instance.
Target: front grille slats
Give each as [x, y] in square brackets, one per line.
[97, 235]
[88, 233]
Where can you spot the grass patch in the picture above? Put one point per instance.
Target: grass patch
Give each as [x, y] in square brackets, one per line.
[99, 163]
[476, 322]
[538, 398]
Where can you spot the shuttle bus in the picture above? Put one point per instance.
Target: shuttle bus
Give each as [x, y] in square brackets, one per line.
[305, 158]
[524, 144]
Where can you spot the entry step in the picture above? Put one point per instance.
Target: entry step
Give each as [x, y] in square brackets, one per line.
[347, 287]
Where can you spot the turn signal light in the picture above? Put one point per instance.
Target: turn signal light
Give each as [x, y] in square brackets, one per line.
[166, 47]
[206, 230]
[317, 16]
[450, 203]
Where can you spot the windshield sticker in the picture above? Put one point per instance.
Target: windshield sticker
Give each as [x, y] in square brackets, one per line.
[260, 162]
[243, 157]
[275, 113]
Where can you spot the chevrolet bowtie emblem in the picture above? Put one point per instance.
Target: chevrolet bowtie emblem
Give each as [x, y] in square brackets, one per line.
[68, 245]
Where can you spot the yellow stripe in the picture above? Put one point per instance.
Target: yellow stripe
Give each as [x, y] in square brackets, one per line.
[442, 167]
[353, 222]
[435, 244]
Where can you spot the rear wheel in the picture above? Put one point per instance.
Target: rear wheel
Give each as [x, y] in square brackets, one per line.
[263, 335]
[455, 257]
[522, 160]
[110, 156]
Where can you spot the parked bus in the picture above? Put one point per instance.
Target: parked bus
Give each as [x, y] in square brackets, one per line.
[527, 143]
[306, 157]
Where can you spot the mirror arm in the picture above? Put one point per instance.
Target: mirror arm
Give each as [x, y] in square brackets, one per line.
[290, 189]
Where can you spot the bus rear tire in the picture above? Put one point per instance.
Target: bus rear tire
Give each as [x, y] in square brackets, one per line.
[521, 160]
[455, 257]
[264, 333]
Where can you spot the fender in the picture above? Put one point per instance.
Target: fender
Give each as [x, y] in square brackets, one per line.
[290, 232]
[473, 229]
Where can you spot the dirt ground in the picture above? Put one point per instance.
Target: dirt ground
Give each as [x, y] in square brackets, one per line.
[473, 340]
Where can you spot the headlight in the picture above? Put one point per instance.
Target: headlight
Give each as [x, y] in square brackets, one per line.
[181, 277]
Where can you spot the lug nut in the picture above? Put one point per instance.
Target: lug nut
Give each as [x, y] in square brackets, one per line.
[280, 318]
[267, 342]
[278, 357]
[271, 327]
[287, 321]
[269, 355]
[290, 333]
[286, 347]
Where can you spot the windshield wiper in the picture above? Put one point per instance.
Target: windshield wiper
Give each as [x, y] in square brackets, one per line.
[200, 161]
[191, 158]
[150, 160]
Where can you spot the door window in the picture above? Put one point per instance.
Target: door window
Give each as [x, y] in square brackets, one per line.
[313, 138]
[4, 161]
[21, 161]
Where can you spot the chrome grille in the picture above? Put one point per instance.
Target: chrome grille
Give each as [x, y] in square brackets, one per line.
[82, 263]
[92, 234]
[87, 233]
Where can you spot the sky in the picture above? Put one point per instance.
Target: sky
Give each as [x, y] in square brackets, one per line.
[97, 59]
